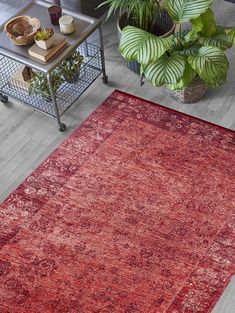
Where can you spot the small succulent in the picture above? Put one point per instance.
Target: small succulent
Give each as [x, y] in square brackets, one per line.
[44, 34]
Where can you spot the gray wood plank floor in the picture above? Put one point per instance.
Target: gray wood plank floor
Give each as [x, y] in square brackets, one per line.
[27, 137]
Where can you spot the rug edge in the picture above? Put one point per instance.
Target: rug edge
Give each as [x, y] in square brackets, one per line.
[174, 110]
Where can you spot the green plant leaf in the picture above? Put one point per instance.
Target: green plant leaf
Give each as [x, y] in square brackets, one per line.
[188, 76]
[141, 46]
[218, 82]
[205, 24]
[193, 50]
[220, 39]
[114, 6]
[143, 13]
[211, 64]
[185, 10]
[183, 40]
[39, 83]
[166, 70]
[230, 31]
[191, 36]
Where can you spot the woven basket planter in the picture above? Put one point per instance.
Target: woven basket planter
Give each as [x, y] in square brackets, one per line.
[165, 27]
[193, 93]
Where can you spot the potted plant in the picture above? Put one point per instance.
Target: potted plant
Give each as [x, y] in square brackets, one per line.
[39, 84]
[44, 38]
[188, 61]
[148, 15]
[69, 69]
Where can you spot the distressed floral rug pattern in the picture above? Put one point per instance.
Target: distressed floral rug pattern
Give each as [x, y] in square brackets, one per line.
[133, 213]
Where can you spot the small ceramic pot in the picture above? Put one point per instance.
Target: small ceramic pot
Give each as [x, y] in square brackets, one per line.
[73, 78]
[45, 44]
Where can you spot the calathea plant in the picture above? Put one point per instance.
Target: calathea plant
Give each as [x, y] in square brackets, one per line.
[176, 60]
[148, 15]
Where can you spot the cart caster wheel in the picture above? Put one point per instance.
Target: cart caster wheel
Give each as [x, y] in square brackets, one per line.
[62, 127]
[3, 98]
[105, 79]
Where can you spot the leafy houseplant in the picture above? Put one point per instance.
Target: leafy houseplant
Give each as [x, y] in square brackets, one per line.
[44, 38]
[142, 13]
[180, 59]
[148, 15]
[69, 70]
[39, 84]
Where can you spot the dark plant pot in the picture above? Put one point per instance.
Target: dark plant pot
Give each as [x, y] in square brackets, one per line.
[165, 27]
[193, 93]
[73, 79]
[134, 66]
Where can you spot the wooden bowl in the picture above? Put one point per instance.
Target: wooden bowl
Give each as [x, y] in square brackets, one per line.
[21, 29]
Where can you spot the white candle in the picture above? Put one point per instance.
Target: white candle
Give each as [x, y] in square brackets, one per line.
[66, 24]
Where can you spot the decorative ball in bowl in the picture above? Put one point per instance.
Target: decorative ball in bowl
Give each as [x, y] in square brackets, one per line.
[22, 29]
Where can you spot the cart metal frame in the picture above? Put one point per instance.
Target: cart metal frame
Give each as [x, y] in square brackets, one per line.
[12, 57]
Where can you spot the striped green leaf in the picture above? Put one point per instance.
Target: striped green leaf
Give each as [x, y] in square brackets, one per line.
[188, 76]
[193, 50]
[220, 39]
[182, 40]
[185, 10]
[211, 64]
[141, 46]
[166, 70]
[218, 82]
[230, 31]
[191, 36]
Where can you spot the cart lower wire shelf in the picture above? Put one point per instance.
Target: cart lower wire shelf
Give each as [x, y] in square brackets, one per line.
[66, 95]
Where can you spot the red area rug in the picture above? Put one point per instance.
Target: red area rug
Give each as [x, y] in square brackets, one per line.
[131, 214]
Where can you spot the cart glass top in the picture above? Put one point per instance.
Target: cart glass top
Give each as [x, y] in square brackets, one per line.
[84, 25]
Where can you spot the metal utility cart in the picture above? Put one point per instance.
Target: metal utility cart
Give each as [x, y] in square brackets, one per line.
[12, 57]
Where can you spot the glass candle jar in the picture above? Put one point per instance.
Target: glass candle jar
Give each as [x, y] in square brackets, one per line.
[55, 14]
[67, 24]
